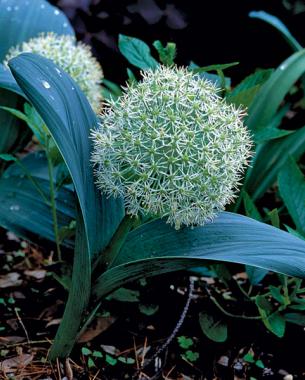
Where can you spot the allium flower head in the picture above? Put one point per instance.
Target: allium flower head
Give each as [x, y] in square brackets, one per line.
[170, 146]
[73, 57]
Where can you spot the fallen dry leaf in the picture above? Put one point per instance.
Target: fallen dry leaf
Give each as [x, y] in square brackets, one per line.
[16, 363]
[54, 322]
[39, 274]
[100, 324]
[11, 339]
[9, 280]
[11, 236]
[110, 349]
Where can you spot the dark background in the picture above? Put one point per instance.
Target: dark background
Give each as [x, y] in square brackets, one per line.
[206, 32]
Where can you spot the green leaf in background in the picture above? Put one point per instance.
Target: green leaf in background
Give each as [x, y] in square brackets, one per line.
[69, 119]
[276, 323]
[272, 93]
[9, 128]
[273, 320]
[167, 53]
[148, 309]
[246, 90]
[7, 81]
[279, 26]
[270, 133]
[295, 318]
[125, 295]
[185, 342]
[250, 208]
[156, 248]
[190, 356]
[292, 189]
[217, 67]
[271, 156]
[214, 328]
[274, 217]
[32, 119]
[137, 52]
[269, 160]
[111, 90]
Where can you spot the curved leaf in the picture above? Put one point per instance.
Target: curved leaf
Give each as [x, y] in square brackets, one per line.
[22, 208]
[22, 20]
[69, 118]
[272, 93]
[292, 189]
[156, 248]
[7, 81]
[279, 26]
[270, 158]
[137, 52]
[9, 128]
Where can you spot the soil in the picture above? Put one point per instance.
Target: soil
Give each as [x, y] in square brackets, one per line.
[32, 303]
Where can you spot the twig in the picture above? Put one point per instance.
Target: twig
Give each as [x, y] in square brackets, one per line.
[68, 369]
[58, 369]
[22, 325]
[227, 313]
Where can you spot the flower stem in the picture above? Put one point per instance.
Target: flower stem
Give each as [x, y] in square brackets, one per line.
[53, 202]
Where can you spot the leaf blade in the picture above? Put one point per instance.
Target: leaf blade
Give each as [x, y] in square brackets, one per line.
[156, 248]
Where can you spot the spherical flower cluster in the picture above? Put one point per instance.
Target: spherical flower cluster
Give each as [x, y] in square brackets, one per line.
[171, 147]
[73, 57]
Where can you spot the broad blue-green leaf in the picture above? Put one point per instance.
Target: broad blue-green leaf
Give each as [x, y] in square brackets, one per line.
[157, 248]
[292, 189]
[137, 52]
[7, 81]
[69, 118]
[255, 275]
[22, 208]
[9, 128]
[272, 93]
[279, 26]
[22, 20]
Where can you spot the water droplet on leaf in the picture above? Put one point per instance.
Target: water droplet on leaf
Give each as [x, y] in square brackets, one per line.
[46, 84]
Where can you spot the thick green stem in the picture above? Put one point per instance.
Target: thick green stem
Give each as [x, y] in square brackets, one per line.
[111, 251]
[53, 202]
